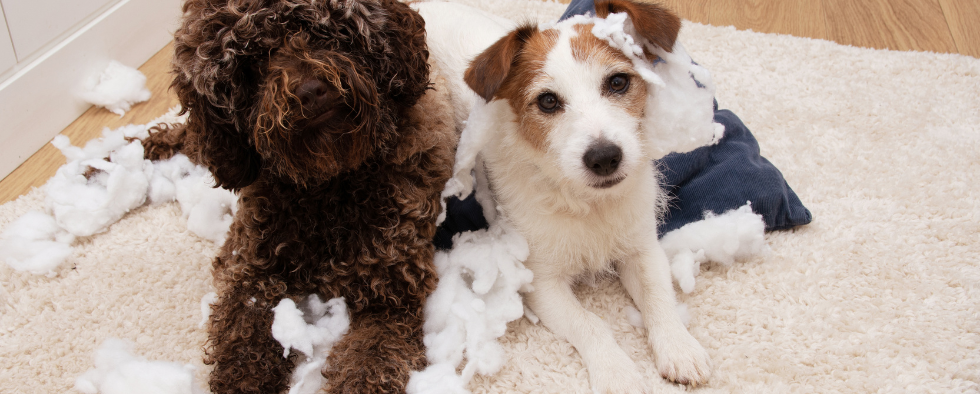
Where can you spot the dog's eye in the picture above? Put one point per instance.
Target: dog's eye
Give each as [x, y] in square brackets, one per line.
[548, 102]
[619, 83]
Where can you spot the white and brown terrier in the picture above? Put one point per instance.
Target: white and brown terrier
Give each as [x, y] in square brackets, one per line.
[568, 157]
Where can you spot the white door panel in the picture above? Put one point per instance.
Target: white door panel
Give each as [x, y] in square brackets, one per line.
[34, 23]
[7, 58]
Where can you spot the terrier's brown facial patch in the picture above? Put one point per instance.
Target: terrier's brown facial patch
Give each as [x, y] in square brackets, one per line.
[538, 110]
[527, 68]
[588, 48]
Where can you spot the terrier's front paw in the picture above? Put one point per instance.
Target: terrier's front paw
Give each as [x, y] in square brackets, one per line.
[681, 359]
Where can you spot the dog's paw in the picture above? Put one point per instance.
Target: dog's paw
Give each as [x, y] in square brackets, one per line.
[623, 380]
[681, 359]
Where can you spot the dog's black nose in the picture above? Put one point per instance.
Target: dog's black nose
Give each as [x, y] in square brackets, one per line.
[603, 157]
[314, 94]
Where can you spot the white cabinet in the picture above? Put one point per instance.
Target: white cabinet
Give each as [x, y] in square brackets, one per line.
[7, 57]
[35, 23]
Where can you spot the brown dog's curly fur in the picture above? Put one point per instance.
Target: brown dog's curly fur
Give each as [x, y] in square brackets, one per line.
[338, 186]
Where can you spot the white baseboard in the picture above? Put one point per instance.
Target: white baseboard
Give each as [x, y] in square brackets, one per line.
[39, 100]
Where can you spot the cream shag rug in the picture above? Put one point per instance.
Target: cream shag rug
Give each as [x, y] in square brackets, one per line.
[881, 293]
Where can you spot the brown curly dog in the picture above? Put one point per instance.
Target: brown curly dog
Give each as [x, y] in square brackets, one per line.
[323, 116]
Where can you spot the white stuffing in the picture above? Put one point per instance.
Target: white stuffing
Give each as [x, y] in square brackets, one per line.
[35, 243]
[684, 266]
[206, 302]
[118, 371]
[118, 88]
[680, 115]
[469, 165]
[684, 314]
[438, 378]
[312, 329]
[613, 29]
[116, 182]
[291, 330]
[634, 317]
[530, 315]
[162, 188]
[209, 210]
[102, 182]
[480, 281]
[317, 323]
[737, 234]
[477, 295]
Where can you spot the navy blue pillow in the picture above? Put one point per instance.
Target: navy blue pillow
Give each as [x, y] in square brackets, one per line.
[578, 7]
[714, 178]
[461, 216]
[725, 176]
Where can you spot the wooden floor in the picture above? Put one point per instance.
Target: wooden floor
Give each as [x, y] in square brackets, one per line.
[949, 26]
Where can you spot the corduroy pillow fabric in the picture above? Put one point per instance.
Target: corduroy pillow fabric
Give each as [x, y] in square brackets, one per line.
[726, 176]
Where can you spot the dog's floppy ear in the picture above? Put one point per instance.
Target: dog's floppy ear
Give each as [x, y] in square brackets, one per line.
[407, 76]
[654, 23]
[233, 162]
[211, 135]
[489, 70]
[211, 82]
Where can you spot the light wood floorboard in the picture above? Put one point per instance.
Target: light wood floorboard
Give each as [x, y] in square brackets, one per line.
[963, 18]
[803, 18]
[692, 10]
[919, 25]
[904, 25]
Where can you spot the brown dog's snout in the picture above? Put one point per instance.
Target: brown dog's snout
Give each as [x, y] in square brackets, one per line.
[315, 95]
[603, 157]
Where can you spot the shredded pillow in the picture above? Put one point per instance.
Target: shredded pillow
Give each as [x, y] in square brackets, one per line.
[461, 216]
[724, 176]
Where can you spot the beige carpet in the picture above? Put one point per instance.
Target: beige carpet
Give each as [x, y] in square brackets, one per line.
[881, 293]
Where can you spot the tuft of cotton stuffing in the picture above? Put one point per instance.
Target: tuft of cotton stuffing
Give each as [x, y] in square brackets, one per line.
[118, 88]
[634, 317]
[480, 281]
[468, 172]
[35, 243]
[290, 329]
[310, 328]
[684, 313]
[119, 371]
[209, 210]
[680, 115]
[440, 378]
[486, 272]
[616, 30]
[737, 234]
[103, 181]
[206, 302]
[99, 184]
